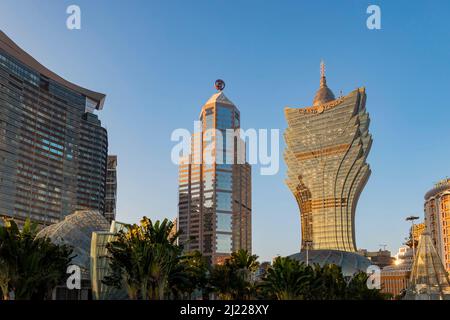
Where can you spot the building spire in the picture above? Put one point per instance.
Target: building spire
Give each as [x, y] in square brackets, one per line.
[323, 79]
[324, 94]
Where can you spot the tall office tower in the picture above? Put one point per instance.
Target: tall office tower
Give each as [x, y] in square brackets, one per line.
[111, 188]
[214, 210]
[53, 148]
[437, 219]
[327, 146]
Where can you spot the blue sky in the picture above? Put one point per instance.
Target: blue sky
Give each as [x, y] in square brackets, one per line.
[157, 62]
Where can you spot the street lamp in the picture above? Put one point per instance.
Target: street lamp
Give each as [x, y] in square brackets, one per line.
[412, 218]
[308, 243]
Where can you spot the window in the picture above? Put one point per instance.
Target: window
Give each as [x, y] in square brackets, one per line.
[224, 222]
[223, 243]
[223, 201]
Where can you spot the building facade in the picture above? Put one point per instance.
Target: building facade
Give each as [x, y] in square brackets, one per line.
[437, 219]
[326, 149]
[111, 188]
[395, 278]
[417, 230]
[380, 258]
[214, 209]
[53, 149]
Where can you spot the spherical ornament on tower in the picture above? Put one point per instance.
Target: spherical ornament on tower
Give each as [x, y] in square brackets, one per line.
[219, 84]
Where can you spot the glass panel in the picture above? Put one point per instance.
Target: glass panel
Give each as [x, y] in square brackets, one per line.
[223, 201]
[224, 244]
[224, 118]
[223, 222]
[224, 180]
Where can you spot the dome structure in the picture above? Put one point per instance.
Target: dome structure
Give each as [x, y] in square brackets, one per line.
[324, 94]
[350, 262]
[76, 231]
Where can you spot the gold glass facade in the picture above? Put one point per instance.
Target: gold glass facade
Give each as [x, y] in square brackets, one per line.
[417, 230]
[214, 212]
[326, 149]
[437, 219]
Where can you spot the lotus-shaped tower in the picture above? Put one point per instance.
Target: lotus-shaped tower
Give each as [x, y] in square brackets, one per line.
[326, 149]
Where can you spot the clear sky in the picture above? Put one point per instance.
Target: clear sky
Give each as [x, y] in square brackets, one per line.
[157, 62]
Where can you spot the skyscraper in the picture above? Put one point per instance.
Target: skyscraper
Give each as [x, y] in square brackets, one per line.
[53, 148]
[111, 188]
[327, 146]
[214, 209]
[437, 219]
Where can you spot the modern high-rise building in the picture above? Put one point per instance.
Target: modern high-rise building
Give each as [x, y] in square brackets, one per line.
[214, 209]
[53, 149]
[327, 146]
[437, 219]
[111, 188]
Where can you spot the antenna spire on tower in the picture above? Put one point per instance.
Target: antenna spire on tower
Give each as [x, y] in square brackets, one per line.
[323, 80]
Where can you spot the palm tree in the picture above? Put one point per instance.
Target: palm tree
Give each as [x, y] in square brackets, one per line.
[222, 281]
[244, 266]
[287, 279]
[233, 279]
[30, 267]
[189, 275]
[143, 257]
[357, 289]
[326, 283]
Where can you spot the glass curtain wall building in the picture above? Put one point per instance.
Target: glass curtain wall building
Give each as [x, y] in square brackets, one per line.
[53, 149]
[111, 189]
[326, 149]
[215, 185]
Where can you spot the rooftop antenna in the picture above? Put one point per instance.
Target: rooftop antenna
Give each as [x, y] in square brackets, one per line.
[383, 246]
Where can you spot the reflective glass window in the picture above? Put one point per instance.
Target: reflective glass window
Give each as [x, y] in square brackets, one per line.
[224, 222]
[223, 201]
[224, 180]
[224, 118]
[224, 243]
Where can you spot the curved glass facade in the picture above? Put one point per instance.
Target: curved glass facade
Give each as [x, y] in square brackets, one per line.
[349, 262]
[76, 231]
[53, 149]
[326, 150]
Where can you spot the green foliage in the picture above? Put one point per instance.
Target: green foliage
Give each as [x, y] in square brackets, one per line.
[234, 279]
[30, 267]
[190, 275]
[143, 257]
[288, 279]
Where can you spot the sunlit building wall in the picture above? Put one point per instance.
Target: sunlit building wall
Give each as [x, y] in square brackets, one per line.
[437, 219]
[326, 149]
[395, 278]
[53, 148]
[417, 230]
[214, 214]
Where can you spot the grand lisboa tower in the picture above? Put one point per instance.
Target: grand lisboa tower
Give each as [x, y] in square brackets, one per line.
[327, 145]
